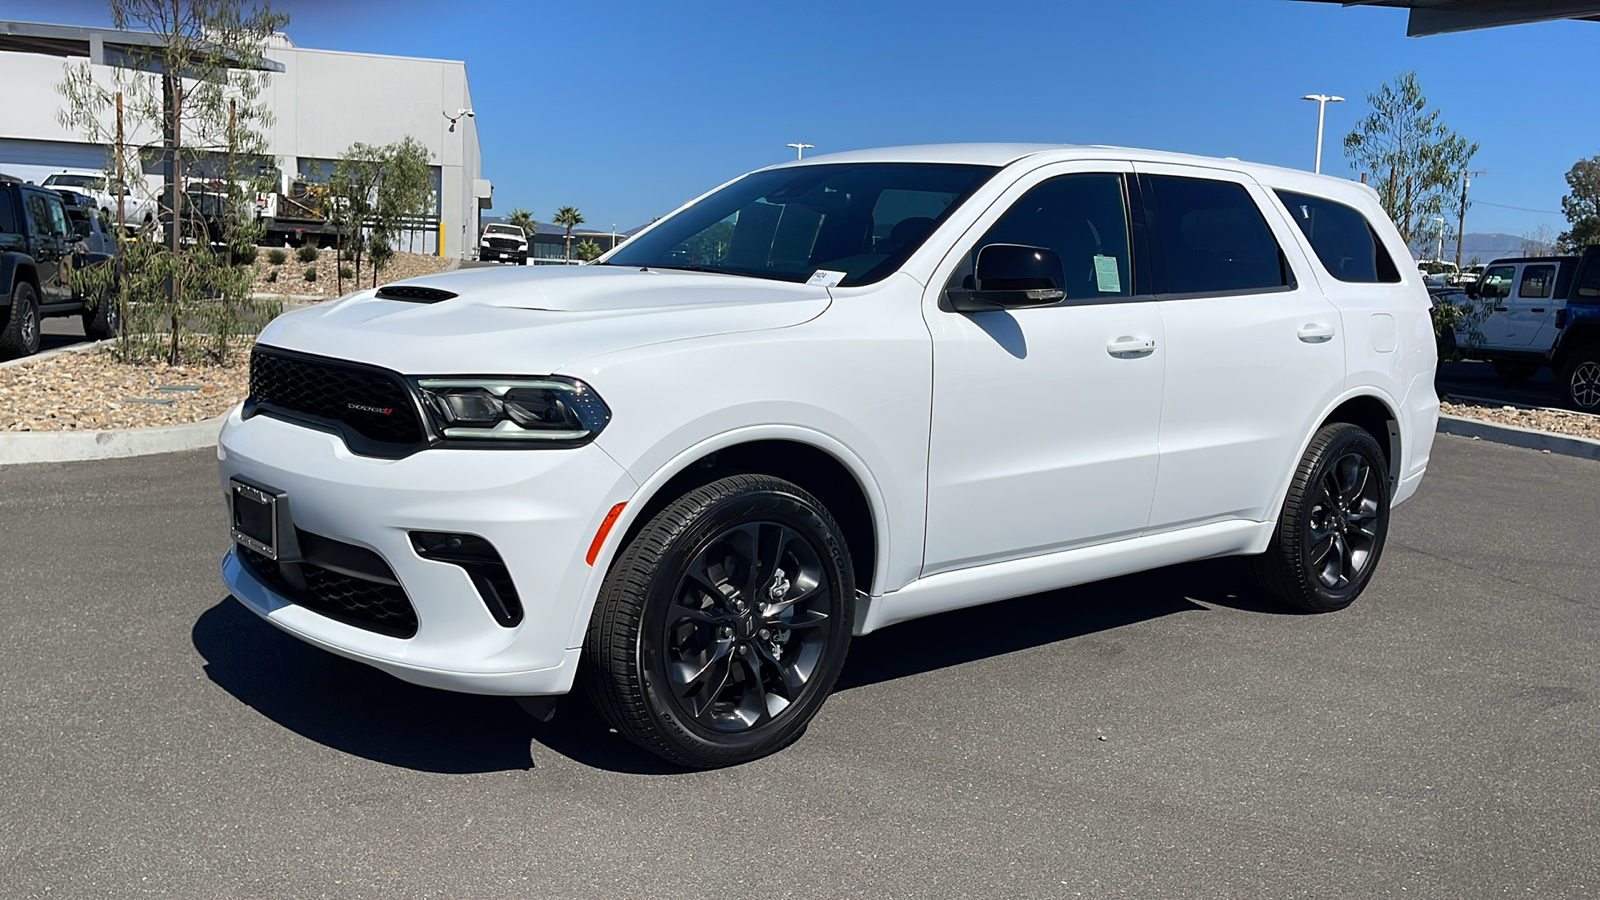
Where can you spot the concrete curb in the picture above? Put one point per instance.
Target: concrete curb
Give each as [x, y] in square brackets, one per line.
[74, 446]
[70, 348]
[1517, 436]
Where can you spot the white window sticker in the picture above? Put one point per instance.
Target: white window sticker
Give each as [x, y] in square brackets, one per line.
[825, 278]
[1105, 275]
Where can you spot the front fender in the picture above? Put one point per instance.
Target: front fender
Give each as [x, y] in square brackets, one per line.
[679, 461]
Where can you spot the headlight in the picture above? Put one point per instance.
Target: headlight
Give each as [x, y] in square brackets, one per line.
[552, 410]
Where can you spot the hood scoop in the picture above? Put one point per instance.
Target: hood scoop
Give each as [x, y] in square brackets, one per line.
[410, 293]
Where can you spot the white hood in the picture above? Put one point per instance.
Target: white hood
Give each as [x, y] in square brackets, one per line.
[535, 321]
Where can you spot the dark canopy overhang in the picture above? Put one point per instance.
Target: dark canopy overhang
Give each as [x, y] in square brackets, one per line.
[1441, 16]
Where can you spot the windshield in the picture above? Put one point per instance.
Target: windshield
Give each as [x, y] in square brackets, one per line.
[92, 182]
[503, 229]
[862, 219]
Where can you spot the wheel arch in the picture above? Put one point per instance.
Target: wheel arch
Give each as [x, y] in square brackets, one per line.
[823, 466]
[1365, 407]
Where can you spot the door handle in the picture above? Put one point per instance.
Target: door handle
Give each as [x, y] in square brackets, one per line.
[1501, 309]
[1315, 333]
[1126, 347]
[1537, 309]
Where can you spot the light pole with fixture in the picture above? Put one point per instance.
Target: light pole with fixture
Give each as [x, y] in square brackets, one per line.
[1322, 104]
[1439, 254]
[800, 149]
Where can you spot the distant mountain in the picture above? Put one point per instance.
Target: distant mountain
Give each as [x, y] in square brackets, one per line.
[1484, 244]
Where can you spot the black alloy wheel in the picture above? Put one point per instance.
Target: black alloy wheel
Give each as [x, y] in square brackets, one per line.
[723, 624]
[748, 625]
[21, 334]
[1331, 531]
[1582, 380]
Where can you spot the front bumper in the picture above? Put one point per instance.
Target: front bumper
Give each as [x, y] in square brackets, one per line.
[539, 508]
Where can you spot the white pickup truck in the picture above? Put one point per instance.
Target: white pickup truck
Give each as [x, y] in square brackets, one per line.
[504, 242]
[137, 210]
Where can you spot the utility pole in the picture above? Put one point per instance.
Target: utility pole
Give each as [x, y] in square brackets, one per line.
[1461, 224]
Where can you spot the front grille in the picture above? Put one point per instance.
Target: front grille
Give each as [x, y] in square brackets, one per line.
[504, 243]
[372, 605]
[370, 402]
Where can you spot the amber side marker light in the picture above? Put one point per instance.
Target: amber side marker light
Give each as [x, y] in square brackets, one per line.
[605, 529]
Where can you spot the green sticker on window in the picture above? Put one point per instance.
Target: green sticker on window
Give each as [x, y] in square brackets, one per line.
[1106, 277]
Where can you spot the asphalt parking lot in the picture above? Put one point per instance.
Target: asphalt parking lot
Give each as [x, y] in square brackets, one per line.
[1160, 735]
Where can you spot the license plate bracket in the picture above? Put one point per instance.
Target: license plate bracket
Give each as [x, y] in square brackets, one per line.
[254, 516]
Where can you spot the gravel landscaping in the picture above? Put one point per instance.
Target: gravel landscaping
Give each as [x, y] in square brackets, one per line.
[290, 274]
[1559, 421]
[92, 390]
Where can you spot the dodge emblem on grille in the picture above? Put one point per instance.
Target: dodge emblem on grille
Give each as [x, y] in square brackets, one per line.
[362, 407]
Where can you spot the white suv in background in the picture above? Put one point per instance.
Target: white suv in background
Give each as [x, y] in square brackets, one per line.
[824, 398]
[504, 242]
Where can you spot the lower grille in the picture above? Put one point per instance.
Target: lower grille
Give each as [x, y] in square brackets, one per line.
[372, 605]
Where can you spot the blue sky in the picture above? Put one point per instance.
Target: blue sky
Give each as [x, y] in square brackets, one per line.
[626, 109]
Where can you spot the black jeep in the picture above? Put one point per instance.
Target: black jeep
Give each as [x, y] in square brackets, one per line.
[39, 249]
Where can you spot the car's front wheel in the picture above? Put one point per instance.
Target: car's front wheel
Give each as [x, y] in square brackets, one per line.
[723, 624]
[1333, 525]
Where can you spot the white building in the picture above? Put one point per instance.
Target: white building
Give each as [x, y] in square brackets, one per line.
[322, 102]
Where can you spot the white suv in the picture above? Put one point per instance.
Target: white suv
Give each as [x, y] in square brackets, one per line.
[824, 398]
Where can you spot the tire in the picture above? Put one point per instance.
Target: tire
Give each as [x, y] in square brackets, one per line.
[1515, 372]
[20, 337]
[104, 321]
[1335, 518]
[683, 623]
[1580, 380]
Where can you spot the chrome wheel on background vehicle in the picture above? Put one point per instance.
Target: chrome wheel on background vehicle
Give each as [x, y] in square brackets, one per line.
[723, 624]
[1582, 380]
[1333, 524]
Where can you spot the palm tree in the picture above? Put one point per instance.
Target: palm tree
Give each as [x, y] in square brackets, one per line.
[587, 249]
[571, 218]
[522, 219]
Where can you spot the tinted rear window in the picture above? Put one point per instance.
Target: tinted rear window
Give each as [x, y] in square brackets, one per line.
[1212, 237]
[8, 219]
[1342, 238]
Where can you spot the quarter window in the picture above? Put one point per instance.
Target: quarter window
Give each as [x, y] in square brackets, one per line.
[1212, 238]
[8, 220]
[1342, 238]
[1537, 281]
[1083, 218]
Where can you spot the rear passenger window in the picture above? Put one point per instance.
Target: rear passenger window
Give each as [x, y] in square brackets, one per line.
[1083, 218]
[1342, 238]
[1537, 281]
[8, 219]
[1212, 238]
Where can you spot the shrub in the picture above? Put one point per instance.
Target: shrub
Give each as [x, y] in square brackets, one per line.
[306, 253]
[272, 275]
[346, 272]
[246, 255]
[277, 257]
[311, 273]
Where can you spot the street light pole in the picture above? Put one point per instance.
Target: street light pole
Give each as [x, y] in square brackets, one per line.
[800, 149]
[1439, 254]
[1322, 104]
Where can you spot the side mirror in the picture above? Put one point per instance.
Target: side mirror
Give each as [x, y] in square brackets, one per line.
[1012, 276]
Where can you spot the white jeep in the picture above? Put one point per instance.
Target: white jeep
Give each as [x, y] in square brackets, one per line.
[824, 398]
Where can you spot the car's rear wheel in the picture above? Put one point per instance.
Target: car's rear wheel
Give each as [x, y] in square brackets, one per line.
[724, 623]
[1335, 518]
[1515, 371]
[105, 320]
[21, 334]
[1580, 378]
